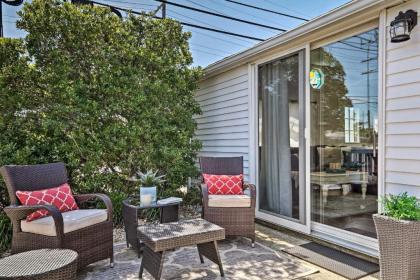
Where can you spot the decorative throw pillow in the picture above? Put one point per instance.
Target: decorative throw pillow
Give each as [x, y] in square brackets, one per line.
[224, 184]
[61, 197]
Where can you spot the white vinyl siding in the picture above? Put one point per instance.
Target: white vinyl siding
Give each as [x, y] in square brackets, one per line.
[402, 105]
[223, 126]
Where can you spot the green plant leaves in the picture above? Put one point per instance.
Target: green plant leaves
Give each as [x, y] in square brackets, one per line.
[5, 231]
[107, 96]
[150, 178]
[401, 206]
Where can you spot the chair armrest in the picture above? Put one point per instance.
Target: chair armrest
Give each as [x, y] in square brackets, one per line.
[205, 196]
[80, 198]
[16, 213]
[253, 191]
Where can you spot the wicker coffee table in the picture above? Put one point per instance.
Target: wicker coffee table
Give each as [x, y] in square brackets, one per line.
[163, 237]
[43, 264]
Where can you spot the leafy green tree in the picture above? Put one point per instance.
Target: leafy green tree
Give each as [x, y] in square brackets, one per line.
[328, 102]
[107, 96]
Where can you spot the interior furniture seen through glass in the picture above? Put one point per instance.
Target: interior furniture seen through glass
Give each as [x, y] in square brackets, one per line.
[344, 132]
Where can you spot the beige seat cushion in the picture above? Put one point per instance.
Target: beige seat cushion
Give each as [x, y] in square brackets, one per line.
[229, 200]
[73, 220]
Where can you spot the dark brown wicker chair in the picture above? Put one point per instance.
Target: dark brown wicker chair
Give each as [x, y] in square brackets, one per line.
[237, 221]
[92, 243]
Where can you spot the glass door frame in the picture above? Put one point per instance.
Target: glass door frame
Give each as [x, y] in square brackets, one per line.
[304, 225]
[332, 234]
[328, 233]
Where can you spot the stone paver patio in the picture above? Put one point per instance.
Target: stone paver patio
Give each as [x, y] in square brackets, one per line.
[240, 262]
[258, 263]
[278, 241]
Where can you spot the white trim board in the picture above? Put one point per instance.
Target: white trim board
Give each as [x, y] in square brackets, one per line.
[362, 244]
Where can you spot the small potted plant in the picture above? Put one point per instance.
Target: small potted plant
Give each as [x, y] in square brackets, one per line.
[149, 182]
[398, 231]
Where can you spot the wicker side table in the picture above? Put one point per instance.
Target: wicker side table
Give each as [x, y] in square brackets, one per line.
[131, 210]
[43, 264]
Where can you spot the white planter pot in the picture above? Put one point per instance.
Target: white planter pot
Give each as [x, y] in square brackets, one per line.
[148, 195]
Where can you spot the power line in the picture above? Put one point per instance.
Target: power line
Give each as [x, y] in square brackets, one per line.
[197, 20]
[220, 15]
[353, 46]
[221, 31]
[183, 23]
[205, 7]
[132, 3]
[267, 10]
[220, 39]
[213, 49]
[198, 50]
[124, 8]
[11, 16]
[253, 15]
[276, 3]
[249, 14]
[186, 17]
[207, 35]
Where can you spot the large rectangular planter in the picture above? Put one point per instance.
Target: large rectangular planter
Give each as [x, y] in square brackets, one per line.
[399, 248]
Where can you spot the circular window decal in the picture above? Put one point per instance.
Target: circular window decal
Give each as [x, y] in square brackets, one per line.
[316, 78]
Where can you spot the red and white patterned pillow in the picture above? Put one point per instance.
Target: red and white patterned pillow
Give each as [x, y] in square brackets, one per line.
[61, 197]
[224, 184]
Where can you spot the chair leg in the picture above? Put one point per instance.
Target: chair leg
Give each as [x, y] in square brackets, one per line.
[111, 261]
[252, 241]
[141, 271]
[201, 257]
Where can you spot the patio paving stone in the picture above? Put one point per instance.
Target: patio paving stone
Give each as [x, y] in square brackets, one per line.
[240, 262]
[277, 240]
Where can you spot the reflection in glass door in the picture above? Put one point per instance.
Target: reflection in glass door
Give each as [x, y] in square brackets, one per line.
[344, 120]
[281, 142]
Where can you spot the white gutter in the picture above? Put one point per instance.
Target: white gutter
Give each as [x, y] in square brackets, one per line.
[310, 26]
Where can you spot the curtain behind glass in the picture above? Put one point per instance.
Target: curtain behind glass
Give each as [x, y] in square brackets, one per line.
[275, 166]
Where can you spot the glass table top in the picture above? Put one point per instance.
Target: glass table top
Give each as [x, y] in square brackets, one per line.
[135, 201]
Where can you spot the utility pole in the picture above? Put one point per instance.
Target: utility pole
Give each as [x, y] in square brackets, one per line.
[1, 19]
[161, 7]
[8, 2]
[163, 10]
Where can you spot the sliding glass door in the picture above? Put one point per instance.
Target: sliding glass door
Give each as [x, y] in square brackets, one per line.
[281, 137]
[344, 122]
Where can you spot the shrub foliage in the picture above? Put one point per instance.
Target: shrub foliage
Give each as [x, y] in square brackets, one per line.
[401, 207]
[107, 96]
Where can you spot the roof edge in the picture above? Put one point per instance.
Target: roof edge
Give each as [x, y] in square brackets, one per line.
[325, 19]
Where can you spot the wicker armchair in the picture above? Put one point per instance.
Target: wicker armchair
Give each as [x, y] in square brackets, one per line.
[92, 243]
[237, 221]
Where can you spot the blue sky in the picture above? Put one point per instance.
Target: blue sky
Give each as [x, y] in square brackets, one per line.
[207, 46]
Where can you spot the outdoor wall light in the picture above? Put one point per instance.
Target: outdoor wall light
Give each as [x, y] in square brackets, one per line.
[402, 25]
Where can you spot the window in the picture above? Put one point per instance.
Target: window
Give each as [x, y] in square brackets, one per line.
[351, 125]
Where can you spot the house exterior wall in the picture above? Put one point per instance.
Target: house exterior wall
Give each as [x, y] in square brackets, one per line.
[402, 109]
[228, 125]
[223, 126]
